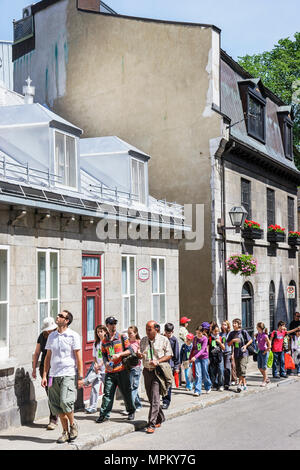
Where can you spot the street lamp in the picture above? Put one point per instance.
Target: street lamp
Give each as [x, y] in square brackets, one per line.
[237, 216]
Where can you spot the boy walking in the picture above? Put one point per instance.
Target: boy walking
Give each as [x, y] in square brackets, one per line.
[240, 340]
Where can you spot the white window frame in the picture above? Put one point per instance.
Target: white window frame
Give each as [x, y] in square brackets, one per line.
[128, 295]
[142, 199]
[57, 182]
[47, 299]
[4, 351]
[157, 258]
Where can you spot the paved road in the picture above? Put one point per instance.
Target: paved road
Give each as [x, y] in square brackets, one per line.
[269, 420]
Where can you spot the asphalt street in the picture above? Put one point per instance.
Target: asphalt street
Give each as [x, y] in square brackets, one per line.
[267, 421]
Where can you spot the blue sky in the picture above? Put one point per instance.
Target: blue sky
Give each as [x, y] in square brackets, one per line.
[247, 27]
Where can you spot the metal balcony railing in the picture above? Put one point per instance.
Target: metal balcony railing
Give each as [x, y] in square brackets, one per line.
[27, 174]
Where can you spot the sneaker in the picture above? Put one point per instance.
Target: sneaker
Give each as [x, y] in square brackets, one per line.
[125, 413]
[65, 437]
[51, 426]
[221, 389]
[298, 374]
[73, 431]
[130, 417]
[226, 387]
[101, 419]
[208, 391]
[138, 409]
[263, 384]
[238, 388]
[244, 388]
[90, 410]
[196, 394]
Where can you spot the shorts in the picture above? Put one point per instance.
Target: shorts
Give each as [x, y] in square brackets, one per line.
[262, 360]
[241, 366]
[62, 395]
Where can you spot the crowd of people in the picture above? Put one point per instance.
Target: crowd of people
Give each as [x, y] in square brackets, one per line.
[214, 358]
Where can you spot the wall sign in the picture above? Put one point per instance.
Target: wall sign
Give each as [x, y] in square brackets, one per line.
[143, 274]
[291, 292]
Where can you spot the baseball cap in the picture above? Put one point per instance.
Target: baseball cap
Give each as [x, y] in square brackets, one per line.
[184, 320]
[190, 336]
[205, 325]
[110, 321]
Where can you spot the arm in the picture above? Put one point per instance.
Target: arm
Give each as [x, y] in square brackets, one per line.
[78, 358]
[176, 357]
[46, 368]
[36, 356]
[293, 331]
[221, 344]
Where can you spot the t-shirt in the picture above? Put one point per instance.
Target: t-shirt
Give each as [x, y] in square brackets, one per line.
[224, 337]
[42, 340]
[262, 341]
[112, 347]
[62, 346]
[278, 340]
[200, 349]
[237, 347]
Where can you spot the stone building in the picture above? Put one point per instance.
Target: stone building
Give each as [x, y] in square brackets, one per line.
[78, 230]
[218, 138]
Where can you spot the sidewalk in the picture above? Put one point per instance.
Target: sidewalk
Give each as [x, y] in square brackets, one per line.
[36, 437]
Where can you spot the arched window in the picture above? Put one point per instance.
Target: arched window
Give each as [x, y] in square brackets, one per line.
[292, 303]
[272, 305]
[247, 308]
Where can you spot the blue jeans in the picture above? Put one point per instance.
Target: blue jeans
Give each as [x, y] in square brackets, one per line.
[262, 360]
[188, 383]
[135, 375]
[278, 363]
[201, 369]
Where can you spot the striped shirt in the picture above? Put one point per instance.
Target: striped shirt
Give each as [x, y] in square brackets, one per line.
[111, 347]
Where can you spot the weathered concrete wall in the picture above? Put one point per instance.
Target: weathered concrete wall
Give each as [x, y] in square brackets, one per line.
[21, 399]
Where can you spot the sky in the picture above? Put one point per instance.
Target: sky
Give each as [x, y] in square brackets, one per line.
[247, 27]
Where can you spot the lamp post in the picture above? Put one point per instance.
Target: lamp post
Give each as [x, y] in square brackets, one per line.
[237, 216]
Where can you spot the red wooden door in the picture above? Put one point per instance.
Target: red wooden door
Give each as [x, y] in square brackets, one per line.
[91, 316]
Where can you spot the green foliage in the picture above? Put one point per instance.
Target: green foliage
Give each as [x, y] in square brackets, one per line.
[279, 70]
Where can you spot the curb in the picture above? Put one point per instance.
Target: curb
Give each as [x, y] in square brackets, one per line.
[88, 442]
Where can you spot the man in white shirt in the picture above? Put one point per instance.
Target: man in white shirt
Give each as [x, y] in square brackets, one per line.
[63, 353]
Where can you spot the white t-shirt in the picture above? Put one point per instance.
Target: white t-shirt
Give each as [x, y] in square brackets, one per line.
[97, 353]
[62, 346]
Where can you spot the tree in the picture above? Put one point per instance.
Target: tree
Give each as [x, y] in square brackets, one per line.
[279, 70]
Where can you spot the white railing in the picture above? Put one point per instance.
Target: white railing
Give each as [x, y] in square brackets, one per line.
[26, 173]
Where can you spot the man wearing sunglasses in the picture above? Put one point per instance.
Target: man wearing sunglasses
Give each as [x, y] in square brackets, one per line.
[63, 354]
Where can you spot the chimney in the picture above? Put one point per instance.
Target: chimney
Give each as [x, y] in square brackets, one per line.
[89, 5]
[28, 92]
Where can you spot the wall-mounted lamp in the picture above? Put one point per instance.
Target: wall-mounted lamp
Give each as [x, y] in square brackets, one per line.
[237, 216]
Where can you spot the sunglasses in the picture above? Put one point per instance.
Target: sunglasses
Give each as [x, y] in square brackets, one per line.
[62, 316]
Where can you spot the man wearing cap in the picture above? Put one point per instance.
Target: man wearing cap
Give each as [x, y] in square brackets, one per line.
[63, 354]
[48, 326]
[114, 348]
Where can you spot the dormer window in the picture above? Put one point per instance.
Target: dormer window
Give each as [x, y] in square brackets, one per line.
[286, 128]
[65, 160]
[138, 180]
[288, 140]
[254, 103]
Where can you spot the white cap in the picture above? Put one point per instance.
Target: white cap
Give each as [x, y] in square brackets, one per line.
[48, 324]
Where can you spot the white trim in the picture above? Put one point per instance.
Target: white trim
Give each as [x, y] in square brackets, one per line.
[47, 300]
[157, 258]
[4, 352]
[128, 295]
[31, 124]
[141, 201]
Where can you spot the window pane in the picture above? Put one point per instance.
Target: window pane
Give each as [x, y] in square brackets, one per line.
[70, 162]
[132, 276]
[3, 275]
[126, 311]
[60, 157]
[256, 118]
[135, 178]
[90, 321]
[162, 308]
[124, 275]
[132, 310]
[3, 325]
[142, 182]
[43, 311]
[161, 275]
[156, 308]
[41, 275]
[53, 276]
[90, 266]
[154, 276]
[53, 308]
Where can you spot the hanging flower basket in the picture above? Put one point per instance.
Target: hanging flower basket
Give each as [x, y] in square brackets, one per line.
[294, 238]
[252, 230]
[276, 233]
[245, 265]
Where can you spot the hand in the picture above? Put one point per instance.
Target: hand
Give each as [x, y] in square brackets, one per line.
[80, 383]
[139, 355]
[33, 373]
[243, 348]
[44, 383]
[153, 362]
[193, 359]
[115, 357]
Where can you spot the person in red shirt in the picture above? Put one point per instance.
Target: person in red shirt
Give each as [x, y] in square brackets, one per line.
[277, 338]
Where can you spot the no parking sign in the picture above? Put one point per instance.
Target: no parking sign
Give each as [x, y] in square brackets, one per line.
[291, 292]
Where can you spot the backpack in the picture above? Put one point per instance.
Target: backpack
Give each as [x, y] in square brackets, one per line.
[252, 350]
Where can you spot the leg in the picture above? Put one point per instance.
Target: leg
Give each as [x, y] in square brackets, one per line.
[125, 388]
[275, 365]
[198, 380]
[227, 369]
[205, 375]
[135, 374]
[156, 415]
[281, 363]
[95, 393]
[110, 385]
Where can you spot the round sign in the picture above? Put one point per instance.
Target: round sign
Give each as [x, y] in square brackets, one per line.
[143, 274]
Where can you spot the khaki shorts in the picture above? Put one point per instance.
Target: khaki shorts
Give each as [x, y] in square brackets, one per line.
[62, 395]
[241, 366]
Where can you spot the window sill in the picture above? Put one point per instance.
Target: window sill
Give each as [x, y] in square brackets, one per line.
[9, 363]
